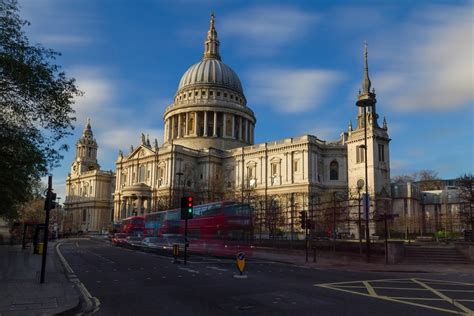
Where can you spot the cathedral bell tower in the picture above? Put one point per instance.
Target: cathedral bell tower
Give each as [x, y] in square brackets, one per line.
[378, 160]
[86, 152]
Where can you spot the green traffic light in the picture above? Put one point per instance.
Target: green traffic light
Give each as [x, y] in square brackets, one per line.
[190, 210]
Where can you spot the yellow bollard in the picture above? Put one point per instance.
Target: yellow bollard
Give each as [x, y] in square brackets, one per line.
[40, 248]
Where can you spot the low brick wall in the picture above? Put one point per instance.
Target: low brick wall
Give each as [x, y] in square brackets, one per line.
[466, 248]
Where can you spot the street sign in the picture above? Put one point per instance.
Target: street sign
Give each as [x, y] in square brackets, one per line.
[241, 262]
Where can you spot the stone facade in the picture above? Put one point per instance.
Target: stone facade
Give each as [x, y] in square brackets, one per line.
[209, 152]
[426, 212]
[89, 189]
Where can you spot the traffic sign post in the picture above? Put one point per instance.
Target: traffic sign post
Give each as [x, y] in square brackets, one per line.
[240, 263]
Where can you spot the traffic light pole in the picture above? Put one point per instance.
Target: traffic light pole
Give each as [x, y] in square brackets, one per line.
[46, 228]
[185, 239]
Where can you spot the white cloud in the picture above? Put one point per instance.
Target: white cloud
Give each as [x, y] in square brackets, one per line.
[292, 90]
[432, 58]
[265, 30]
[98, 90]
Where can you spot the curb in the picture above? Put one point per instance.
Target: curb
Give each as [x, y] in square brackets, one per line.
[91, 304]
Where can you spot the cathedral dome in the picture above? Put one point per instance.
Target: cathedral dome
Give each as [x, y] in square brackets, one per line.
[211, 71]
[209, 108]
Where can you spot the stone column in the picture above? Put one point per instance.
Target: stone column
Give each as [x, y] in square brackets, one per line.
[179, 126]
[139, 206]
[205, 123]
[172, 127]
[214, 131]
[186, 131]
[247, 133]
[233, 126]
[240, 127]
[224, 125]
[195, 123]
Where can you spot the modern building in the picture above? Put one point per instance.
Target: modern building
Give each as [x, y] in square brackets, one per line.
[209, 152]
[89, 189]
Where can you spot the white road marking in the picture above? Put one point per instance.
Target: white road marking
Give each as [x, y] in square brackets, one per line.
[216, 268]
[188, 269]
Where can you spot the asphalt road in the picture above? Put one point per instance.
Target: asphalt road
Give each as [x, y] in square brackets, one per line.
[129, 282]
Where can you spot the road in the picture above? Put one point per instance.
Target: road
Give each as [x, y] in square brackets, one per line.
[129, 282]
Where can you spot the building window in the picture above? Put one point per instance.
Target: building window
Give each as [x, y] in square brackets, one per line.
[84, 215]
[148, 175]
[381, 153]
[211, 93]
[218, 93]
[360, 154]
[90, 189]
[203, 93]
[274, 169]
[196, 93]
[225, 95]
[141, 174]
[334, 171]
[295, 166]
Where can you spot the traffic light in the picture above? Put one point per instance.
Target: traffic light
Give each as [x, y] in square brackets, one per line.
[50, 201]
[303, 219]
[187, 207]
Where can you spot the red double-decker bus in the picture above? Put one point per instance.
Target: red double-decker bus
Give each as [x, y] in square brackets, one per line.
[219, 228]
[134, 225]
[163, 222]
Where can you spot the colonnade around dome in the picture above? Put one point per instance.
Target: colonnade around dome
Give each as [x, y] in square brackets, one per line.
[209, 124]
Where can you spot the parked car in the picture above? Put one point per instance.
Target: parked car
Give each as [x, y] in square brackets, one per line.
[119, 239]
[133, 241]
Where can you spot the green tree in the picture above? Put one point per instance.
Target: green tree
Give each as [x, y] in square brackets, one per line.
[36, 112]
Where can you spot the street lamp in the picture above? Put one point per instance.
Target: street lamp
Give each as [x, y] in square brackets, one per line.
[360, 185]
[179, 174]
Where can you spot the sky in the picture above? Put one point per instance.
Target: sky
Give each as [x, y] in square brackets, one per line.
[300, 64]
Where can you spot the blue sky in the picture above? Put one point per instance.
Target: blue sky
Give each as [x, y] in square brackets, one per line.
[300, 63]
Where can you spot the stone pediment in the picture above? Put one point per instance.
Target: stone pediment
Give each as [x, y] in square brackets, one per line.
[140, 152]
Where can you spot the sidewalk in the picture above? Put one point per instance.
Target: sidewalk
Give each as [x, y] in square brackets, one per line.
[21, 292]
[353, 262]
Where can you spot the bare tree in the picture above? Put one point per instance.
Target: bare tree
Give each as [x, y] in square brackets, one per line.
[466, 197]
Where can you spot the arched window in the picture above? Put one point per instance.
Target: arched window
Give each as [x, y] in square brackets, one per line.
[334, 171]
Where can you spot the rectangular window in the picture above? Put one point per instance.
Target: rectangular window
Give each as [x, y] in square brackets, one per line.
[274, 169]
[381, 153]
[218, 94]
[360, 154]
[295, 166]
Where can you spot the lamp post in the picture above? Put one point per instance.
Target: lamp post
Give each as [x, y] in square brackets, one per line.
[360, 185]
[179, 174]
[366, 99]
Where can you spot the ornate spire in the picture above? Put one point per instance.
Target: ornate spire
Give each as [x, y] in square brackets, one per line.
[350, 125]
[366, 82]
[211, 45]
[385, 123]
[87, 133]
[156, 144]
